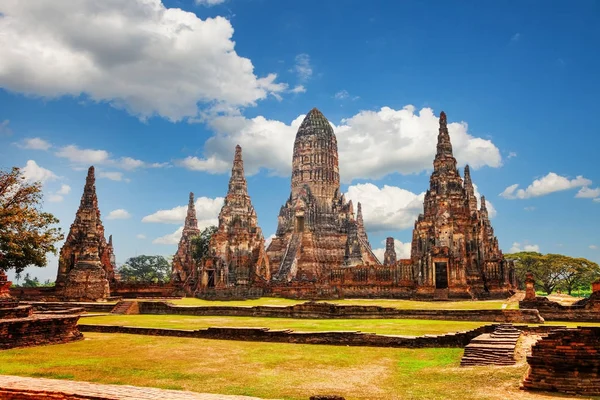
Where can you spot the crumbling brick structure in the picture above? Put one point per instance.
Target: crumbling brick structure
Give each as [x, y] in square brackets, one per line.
[86, 239]
[566, 361]
[316, 231]
[184, 265]
[237, 249]
[454, 251]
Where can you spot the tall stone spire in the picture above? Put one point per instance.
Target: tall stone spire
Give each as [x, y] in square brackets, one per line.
[444, 147]
[237, 247]
[315, 159]
[360, 225]
[86, 235]
[389, 257]
[237, 181]
[184, 265]
[470, 191]
[191, 222]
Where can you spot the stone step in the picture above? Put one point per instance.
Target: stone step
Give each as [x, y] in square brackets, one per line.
[496, 348]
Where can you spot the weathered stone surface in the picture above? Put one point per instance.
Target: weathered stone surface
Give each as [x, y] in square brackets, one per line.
[316, 231]
[454, 251]
[87, 281]
[86, 236]
[38, 330]
[567, 361]
[20, 328]
[529, 287]
[495, 348]
[237, 249]
[5, 285]
[184, 265]
[389, 257]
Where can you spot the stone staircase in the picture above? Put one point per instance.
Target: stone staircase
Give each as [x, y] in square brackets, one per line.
[496, 348]
[126, 307]
[289, 257]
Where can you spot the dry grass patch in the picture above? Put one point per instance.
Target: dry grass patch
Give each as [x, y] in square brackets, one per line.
[268, 370]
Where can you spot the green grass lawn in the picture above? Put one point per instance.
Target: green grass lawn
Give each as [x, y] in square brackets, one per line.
[410, 327]
[403, 304]
[268, 370]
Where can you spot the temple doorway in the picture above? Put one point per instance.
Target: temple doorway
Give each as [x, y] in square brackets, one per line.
[441, 275]
[300, 224]
[211, 278]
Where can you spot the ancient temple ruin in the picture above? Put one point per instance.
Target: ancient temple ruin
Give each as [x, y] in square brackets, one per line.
[237, 249]
[454, 252]
[86, 256]
[184, 265]
[316, 231]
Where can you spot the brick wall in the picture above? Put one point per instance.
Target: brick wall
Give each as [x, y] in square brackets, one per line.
[567, 360]
[341, 338]
[326, 310]
[37, 330]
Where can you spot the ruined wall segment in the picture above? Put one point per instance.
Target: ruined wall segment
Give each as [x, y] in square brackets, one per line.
[316, 229]
[86, 237]
[238, 256]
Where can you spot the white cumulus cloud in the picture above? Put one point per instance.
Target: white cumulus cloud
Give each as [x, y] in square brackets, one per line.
[118, 214]
[207, 211]
[35, 144]
[587, 193]
[518, 247]
[34, 173]
[371, 144]
[386, 208]
[548, 184]
[593, 247]
[113, 176]
[140, 236]
[137, 55]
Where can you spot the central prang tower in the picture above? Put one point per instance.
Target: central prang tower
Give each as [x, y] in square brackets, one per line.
[315, 159]
[317, 231]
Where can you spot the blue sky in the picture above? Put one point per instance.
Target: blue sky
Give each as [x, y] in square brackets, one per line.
[157, 95]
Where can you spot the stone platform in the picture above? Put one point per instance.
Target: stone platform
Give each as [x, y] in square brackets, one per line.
[16, 387]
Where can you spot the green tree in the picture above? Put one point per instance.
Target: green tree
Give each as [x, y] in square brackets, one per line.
[575, 272]
[555, 270]
[146, 269]
[200, 244]
[26, 233]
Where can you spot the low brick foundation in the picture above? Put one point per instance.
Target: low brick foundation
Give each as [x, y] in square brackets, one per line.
[15, 312]
[336, 338]
[314, 310]
[586, 310]
[47, 306]
[38, 330]
[567, 360]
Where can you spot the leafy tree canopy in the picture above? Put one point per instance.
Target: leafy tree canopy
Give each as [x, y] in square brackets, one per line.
[553, 271]
[200, 244]
[26, 233]
[146, 269]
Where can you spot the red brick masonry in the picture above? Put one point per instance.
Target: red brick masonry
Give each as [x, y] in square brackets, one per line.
[567, 361]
